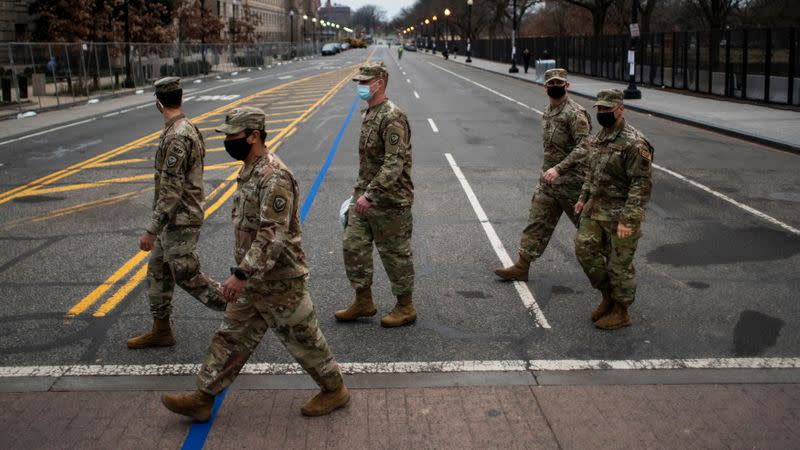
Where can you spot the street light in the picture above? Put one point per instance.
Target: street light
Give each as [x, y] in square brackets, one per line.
[631, 92]
[513, 68]
[305, 18]
[469, 31]
[427, 36]
[291, 33]
[446, 29]
[435, 33]
[314, 32]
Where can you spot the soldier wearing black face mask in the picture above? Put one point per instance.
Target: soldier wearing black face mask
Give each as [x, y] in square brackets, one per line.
[564, 126]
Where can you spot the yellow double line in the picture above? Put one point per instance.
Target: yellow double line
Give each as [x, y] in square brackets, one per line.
[139, 258]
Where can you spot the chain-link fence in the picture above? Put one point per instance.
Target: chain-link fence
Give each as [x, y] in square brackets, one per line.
[750, 64]
[36, 76]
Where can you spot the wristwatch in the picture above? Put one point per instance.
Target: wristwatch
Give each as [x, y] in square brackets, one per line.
[238, 273]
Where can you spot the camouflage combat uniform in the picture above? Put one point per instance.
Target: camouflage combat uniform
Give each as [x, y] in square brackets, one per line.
[617, 188]
[564, 126]
[177, 216]
[266, 224]
[384, 176]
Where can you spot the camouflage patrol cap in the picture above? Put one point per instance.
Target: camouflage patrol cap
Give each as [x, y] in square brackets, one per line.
[243, 118]
[555, 74]
[372, 70]
[609, 98]
[167, 84]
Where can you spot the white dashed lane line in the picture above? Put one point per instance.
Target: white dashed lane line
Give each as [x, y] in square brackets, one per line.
[415, 94]
[433, 125]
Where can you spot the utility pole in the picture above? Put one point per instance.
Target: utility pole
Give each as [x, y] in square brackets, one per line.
[514, 68]
[128, 83]
[469, 31]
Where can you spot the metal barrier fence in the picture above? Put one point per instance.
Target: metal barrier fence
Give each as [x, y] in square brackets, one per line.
[749, 64]
[35, 76]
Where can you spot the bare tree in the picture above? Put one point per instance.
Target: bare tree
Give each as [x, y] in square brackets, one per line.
[368, 18]
[598, 9]
[198, 23]
[715, 13]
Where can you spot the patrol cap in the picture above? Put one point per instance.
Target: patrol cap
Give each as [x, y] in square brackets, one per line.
[167, 84]
[555, 74]
[372, 70]
[609, 98]
[243, 118]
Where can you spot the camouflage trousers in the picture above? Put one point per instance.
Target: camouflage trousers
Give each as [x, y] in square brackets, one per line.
[173, 261]
[606, 259]
[286, 307]
[390, 230]
[544, 214]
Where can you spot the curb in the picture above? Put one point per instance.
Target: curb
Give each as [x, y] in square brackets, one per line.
[706, 126]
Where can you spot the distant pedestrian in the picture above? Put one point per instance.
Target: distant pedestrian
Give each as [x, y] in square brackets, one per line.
[526, 59]
[51, 65]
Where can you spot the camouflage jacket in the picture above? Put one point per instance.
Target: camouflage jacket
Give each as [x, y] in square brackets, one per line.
[563, 128]
[618, 182]
[266, 222]
[384, 153]
[178, 196]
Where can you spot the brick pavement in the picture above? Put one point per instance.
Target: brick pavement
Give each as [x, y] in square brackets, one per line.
[464, 417]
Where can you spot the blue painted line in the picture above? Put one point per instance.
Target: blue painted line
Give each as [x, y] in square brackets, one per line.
[331, 154]
[198, 433]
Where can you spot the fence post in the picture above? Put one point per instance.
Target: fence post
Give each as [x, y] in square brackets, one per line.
[767, 63]
[110, 70]
[697, 61]
[713, 53]
[744, 64]
[14, 79]
[70, 85]
[674, 56]
[685, 60]
[792, 62]
[663, 60]
[33, 68]
[728, 74]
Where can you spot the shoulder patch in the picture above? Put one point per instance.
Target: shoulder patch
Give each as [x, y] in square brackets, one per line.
[394, 138]
[279, 204]
[645, 153]
[171, 161]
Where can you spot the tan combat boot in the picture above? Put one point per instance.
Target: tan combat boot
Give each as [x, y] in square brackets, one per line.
[517, 272]
[617, 318]
[196, 405]
[326, 402]
[363, 306]
[604, 307]
[402, 314]
[160, 336]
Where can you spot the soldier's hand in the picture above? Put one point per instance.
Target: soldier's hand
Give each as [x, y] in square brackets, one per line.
[551, 175]
[362, 204]
[623, 231]
[232, 288]
[147, 241]
[578, 208]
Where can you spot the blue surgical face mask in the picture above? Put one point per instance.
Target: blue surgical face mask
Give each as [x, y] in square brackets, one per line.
[364, 92]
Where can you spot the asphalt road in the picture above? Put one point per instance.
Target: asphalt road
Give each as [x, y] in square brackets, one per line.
[715, 280]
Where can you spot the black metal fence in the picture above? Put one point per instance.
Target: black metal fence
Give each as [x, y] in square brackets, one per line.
[35, 76]
[750, 64]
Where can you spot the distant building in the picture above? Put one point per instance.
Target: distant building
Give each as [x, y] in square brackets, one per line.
[15, 22]
[338, 14]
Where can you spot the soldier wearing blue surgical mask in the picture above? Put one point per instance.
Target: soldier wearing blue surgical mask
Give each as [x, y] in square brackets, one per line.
[381, 214]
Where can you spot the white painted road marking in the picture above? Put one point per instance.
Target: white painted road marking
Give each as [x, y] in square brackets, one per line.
[700, 186]
[414, 367]
[415, 94]
[522, 288]
[433, 125]
[216, 98]
[47, 131]
[408, 80]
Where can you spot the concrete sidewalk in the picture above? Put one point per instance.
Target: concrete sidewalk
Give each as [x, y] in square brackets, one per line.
[774, 127]
[405, 411]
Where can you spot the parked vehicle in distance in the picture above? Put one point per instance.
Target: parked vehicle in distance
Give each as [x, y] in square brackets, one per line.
[410, 47]
[344, 45]
[330, 49]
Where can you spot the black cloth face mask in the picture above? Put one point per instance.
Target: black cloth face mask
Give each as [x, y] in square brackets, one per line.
[238, 148]
[556, 91]
[606, 119]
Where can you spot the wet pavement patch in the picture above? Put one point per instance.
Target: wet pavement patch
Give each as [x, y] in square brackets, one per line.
[723, 245]
[755, 332]
[562, 290]
[37, 199]
[472, 294]
[697, 285]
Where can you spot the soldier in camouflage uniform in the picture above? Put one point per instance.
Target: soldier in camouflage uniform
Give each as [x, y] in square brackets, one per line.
[565, 124]
[270, 274]
[177, 217]
[383, 197]
[612, 208]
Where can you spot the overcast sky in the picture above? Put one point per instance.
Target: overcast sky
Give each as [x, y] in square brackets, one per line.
[392, 7]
